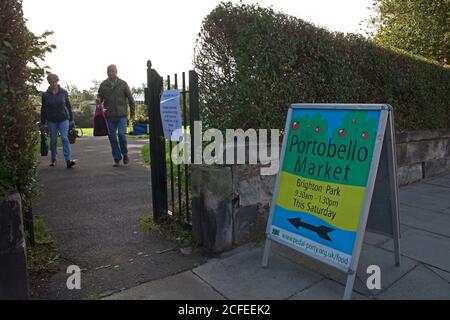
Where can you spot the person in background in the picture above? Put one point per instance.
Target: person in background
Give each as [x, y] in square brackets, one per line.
[56, 114]
[115, 95]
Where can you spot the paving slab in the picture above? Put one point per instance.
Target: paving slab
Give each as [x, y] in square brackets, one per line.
[325, 290]
[425, 247]
[426, 220]
[433, 200]
[241, 276]
[182, 286]
[375, 239]
[423, 202]
[443, 181]
[421, 283]
[429, 189]
[370, 255]
[443, 274]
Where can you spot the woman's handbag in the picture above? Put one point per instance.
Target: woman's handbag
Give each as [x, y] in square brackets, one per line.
[100, 123]
[73, 134]
[44, 143]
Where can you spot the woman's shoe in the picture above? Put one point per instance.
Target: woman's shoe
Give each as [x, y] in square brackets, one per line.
[70, 163]
[53, 163]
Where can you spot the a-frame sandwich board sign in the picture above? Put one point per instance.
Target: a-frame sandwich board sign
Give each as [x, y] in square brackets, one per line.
[333, 157]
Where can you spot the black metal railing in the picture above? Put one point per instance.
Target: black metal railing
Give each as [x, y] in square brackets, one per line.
[168, 178]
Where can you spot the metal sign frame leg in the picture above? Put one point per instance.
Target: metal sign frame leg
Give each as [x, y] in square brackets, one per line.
[392, 167]
[266, 254]
[351, 275]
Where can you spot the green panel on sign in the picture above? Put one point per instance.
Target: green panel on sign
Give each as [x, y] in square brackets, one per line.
[331, 145]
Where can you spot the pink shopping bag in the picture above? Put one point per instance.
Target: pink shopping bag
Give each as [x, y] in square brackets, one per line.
[100, 122]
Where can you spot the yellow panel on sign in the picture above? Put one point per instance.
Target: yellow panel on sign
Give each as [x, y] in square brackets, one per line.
[324, 200]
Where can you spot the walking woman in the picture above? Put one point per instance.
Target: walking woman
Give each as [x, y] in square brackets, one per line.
[56, 113]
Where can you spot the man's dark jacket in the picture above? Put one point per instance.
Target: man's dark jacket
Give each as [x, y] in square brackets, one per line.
[114, 95]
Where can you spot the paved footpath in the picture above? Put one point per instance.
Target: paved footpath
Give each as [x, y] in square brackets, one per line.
[424, 272]
[93, 211]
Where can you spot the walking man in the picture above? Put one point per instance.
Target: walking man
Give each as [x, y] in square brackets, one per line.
[116, 95]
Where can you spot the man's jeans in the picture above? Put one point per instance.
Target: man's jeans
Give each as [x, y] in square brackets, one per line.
[63, 128]
[118, 149]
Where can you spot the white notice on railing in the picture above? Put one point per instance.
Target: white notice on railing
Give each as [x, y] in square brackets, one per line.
[171, 114]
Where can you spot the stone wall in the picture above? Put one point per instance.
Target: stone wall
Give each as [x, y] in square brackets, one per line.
[231, 202]
[422, 154]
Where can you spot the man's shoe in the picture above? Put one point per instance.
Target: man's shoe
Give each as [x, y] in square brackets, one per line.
[116, 163]
[53, 163]
[70, 163]
[125, 159]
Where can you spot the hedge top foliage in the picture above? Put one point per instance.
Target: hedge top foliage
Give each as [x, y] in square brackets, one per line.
[253, 63]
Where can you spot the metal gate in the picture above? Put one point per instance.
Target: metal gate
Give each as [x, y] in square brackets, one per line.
[170, 183]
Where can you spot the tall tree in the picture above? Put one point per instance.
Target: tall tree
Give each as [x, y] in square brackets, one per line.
[417, 26]
[93, 90]
[74, 93]
[140, 89]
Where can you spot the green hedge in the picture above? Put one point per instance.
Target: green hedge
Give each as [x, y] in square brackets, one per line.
[253, 63]
[20, 52]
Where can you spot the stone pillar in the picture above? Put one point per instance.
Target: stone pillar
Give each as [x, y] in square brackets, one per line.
[212, 207]
[254, 194]
[13, 266]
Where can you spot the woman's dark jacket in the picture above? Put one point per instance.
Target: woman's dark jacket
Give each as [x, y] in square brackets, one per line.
[56, 107]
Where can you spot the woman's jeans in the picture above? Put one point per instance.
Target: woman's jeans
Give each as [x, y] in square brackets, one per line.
[63, 128]
[118, 149]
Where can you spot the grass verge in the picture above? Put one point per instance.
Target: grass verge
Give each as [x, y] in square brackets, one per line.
[87, 131]
[90, 132]
[145, 152]
[170, 228]
[43, 259]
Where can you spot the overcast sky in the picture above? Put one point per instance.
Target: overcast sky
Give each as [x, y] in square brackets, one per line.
[91, 34]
